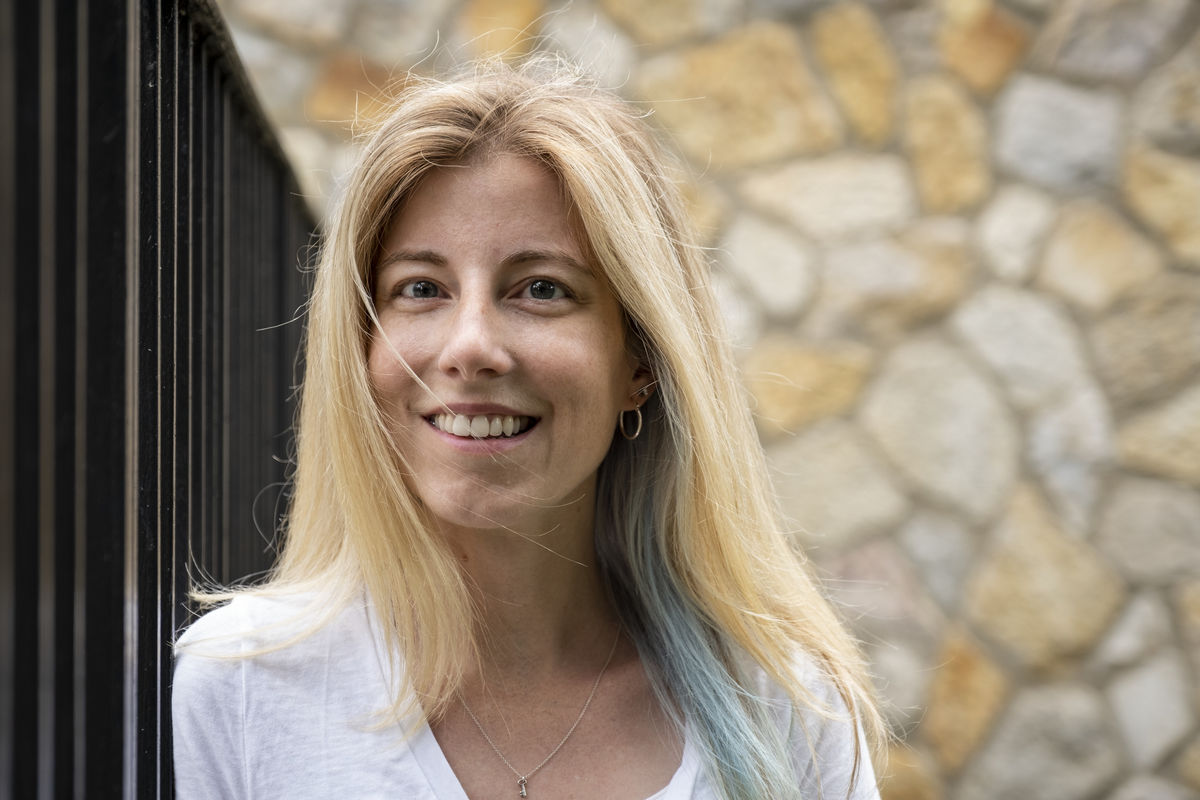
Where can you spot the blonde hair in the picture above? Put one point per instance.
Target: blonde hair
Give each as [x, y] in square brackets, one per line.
[687, 531]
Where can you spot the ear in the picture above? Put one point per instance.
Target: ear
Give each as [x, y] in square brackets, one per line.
[641, 387]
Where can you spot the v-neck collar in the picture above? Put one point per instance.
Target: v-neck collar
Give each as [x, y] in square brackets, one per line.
[444, 784]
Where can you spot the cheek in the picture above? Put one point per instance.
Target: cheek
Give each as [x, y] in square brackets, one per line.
[379, 362]
[386, 373]
[608, 376]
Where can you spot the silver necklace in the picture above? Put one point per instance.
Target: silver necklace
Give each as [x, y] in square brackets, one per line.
[523, 778]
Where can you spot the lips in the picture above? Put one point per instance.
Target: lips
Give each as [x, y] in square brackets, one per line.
[482, 426]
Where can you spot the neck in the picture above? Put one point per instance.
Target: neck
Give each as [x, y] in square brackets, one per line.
[542, 605]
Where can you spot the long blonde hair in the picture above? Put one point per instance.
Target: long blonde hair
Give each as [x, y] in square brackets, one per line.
[687, 530]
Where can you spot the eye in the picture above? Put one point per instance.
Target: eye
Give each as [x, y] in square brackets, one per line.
[542, 289]
[420, 290]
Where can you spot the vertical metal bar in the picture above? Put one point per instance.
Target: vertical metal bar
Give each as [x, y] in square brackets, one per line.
[140, 274]
[186, 335]
[213, 310]
[224, 187]
[198, 502]
[174, 551]
[46, 374]
[61, 559]
[152, 376]
[156, 612]
[8, 390]
[79, 483]
[202, 546]
[109, 186]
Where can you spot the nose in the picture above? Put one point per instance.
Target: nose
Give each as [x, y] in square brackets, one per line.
[475, 344]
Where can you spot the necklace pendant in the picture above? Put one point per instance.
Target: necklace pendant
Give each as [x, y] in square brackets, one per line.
[521, 783]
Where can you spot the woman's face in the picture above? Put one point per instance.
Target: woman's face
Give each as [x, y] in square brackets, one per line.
[483, 289]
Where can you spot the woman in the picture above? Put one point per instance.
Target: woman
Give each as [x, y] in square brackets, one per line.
[532, 550]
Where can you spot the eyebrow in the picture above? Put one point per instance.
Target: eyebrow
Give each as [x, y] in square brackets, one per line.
[527, 256]
[519, 257]
[423, 256]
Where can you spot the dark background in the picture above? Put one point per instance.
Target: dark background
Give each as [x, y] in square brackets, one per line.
[152, 246]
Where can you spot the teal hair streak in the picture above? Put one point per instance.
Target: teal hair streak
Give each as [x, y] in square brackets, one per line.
[691, 667]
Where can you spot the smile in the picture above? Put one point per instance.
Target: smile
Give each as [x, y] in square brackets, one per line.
[481, 426]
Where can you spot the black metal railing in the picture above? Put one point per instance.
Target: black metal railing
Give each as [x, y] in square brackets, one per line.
[151, 244]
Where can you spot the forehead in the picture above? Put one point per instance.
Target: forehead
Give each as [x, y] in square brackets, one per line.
[488, 203]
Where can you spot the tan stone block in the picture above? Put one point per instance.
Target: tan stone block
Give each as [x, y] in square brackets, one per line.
[742, 316]
[1166, 107]
[963, 12]
[350, 93]
[834, 491]
[943, 425]
[707, 207]
[796, 384]
[1093, 256]
[967, 692]
[396, 33]
[946, 139]
[1164, 191]
[854, 53]
[1028, 340]
[307, 22]
[1112, 41]
[886, 600]
[1058, 135]
[982, 47]
[744, 99]
[666, 22]
[910, 775]
[506, 28]
[772, 261]
[946, 269]
[1188, 764]
[1056, 741]
[590, 40]
[281, 74]
[887, 287]
[1152, 707]
[1011, 230]
[1045, 595]
[1166, 440]
[657, 23]
[1186, 598]
[310, 154]
[1148, 530]
[1145, 350]
[842, 196]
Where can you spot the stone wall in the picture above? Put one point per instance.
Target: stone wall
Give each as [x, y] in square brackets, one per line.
[958, 245]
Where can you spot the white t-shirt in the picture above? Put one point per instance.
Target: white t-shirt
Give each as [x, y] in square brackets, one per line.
[302, 721]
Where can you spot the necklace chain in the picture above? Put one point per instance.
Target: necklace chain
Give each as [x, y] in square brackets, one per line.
[523, 779]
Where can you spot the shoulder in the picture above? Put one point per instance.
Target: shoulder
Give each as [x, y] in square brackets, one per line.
[282, 697]
[208, 700]
[285, 633]
[826, 741]
[261, 642]
[246, 623]
[207, 654]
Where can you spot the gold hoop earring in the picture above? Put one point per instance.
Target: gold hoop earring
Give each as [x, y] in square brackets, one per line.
[636, 431]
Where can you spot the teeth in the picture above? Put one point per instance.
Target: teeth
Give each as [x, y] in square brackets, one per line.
[480, 427]
[461, 426]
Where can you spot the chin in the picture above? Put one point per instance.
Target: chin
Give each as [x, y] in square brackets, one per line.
[498, 509]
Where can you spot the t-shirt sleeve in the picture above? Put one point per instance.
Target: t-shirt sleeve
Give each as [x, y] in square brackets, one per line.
[208, 708]
[824, 749]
